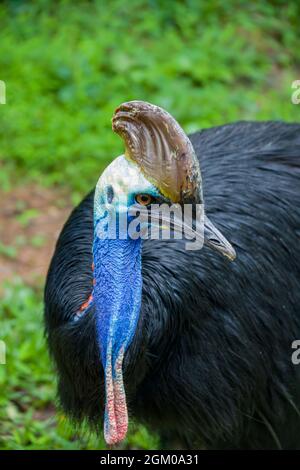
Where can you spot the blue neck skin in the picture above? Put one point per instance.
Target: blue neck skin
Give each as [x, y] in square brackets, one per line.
[117, 290]
[117, 298]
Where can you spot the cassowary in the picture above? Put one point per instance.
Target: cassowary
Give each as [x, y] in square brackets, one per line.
[192, 343]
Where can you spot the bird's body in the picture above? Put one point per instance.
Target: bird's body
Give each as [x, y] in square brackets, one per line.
[210, 362]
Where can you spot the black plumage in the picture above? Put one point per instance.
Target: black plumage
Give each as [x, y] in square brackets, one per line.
[210, 363]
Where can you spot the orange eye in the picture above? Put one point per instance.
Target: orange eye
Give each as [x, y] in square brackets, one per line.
[144, 199]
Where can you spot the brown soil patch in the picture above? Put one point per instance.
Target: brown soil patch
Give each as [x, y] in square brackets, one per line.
[31, 218]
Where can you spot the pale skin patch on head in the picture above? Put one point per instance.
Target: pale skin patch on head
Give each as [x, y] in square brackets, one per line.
[125, 178]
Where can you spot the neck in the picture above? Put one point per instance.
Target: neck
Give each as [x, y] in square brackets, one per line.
[117, 297]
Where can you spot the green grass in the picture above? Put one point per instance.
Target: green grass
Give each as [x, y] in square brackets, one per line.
[67, 65]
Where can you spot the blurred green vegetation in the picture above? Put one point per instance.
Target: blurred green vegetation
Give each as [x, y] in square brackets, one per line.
[67, 66]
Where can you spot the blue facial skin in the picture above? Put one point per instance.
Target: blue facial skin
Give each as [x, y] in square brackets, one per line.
[118, 282]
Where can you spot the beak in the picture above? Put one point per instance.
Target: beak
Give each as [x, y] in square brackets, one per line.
[205, 233]
[215, 240]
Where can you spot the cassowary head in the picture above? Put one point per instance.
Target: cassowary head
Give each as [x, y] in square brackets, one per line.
[159, 167]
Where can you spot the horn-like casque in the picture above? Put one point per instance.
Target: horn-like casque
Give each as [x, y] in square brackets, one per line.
[158, 145]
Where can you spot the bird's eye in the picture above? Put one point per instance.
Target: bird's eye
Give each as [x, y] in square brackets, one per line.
[144, 199]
